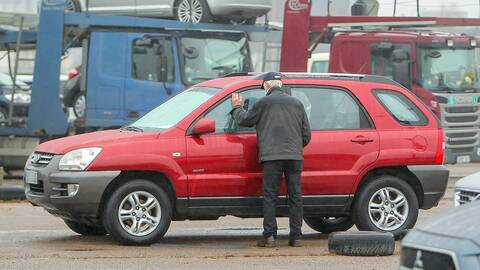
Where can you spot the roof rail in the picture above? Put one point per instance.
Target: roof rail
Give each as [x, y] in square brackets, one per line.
[325, 76]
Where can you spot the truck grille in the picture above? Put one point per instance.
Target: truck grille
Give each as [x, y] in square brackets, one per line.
[41, 159]
[413, 258]
[466, 196]
[37, 188]
[460, 118]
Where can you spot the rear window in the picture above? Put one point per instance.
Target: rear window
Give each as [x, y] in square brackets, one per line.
[401, 108]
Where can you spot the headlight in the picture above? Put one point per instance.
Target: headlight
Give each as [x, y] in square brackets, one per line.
[78, 160]
[18, 98]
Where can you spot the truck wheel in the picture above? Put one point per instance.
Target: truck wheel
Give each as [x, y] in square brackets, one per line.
[329, 224]
[138, 213]
[84, 229]
[386, 204]
[79, 105]
[192, 11]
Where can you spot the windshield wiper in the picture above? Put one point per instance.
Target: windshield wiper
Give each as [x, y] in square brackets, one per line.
[132, 128]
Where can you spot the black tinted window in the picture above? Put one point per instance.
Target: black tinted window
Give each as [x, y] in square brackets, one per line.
[331, 109]
[401, 108]
[150, 60]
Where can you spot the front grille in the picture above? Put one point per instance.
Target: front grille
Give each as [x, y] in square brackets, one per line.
[465, 196]
[461, 119]
[41, 159]
[412, 258]
[461, 135]
[36, 188]
[469, 109]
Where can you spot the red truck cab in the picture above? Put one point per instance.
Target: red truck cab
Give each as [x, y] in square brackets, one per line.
[375, 158]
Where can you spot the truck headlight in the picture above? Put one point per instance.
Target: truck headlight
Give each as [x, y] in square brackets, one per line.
[79, 159]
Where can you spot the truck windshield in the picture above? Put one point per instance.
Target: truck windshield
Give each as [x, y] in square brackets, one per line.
[175, 109]
[450, 69]
[208, 58]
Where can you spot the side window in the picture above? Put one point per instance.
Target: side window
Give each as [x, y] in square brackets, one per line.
[151, 59]
[382, 58]
[401, 108]
[224, 122]
[331, 109]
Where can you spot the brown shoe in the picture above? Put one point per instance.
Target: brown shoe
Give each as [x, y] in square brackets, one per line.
[295, 243]
[266, 242]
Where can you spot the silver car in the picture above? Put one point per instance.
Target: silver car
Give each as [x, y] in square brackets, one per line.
[467, 189]
[231, 11]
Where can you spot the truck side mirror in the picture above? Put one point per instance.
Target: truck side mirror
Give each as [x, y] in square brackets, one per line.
[401, 68]
[163, 65]
[204, 126]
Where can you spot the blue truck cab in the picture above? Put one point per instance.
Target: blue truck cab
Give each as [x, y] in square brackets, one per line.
[130, 73]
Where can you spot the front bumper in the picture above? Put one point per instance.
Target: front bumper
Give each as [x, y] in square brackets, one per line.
[429, 249]
[245, 9]
[434, 180]
[47, 193]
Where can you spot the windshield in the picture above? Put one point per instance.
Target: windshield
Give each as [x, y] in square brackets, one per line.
[175, 109]
[450, 69]
[208, 58]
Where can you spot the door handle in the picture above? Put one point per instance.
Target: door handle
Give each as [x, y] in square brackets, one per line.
[133, 114]
[361, 140]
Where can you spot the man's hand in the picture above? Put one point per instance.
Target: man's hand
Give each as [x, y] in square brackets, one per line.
[237, 100]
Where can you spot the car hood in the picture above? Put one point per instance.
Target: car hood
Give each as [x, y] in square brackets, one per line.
[93, 139]
[469, 182]
[460, 222]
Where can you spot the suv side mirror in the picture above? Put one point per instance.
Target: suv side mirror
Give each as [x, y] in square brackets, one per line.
[401, 68]
[204, 126]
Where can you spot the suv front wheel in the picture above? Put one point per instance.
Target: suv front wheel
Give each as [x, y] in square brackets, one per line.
[386, 204]
[138, 213]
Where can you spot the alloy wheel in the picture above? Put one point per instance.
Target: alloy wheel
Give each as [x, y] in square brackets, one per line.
[139, 213]
[190, 11]
[388, 209]
[70, 6]
[80, 106]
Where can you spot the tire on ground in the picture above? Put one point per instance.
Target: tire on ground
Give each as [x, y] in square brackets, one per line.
[329, 225]
[85, 229]
[361, 207]
[111, 213]
[361, 243]
[206, 15]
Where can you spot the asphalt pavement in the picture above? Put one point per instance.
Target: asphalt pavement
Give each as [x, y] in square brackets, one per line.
[30, 238]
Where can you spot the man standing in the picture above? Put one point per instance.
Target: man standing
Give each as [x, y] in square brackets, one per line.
[282, 131]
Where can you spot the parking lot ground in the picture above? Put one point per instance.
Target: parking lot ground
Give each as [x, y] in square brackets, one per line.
[30, 238]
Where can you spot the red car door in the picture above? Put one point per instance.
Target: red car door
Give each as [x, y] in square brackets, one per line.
[343, 143]
[225, 163]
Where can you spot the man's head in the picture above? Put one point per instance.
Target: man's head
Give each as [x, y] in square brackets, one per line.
[271, 80]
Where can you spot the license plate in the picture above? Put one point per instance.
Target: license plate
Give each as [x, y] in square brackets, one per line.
[31, 177]
[463, 159]
[464, 99]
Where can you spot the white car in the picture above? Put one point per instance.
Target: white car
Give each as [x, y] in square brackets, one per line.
[318, 63]
[236, 11]
[467, 189]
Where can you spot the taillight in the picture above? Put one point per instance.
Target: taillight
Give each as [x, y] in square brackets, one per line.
[440, 148]
[73, 74]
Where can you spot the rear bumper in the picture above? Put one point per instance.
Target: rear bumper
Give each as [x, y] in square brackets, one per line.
[245, 9]
[434, 180]
[83, 206]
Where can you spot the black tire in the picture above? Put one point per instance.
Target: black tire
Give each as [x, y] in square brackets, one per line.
[111, 220]
[361, 243]
[85, 229]
[361, 213]
[73, 6]
[205, 16]
[79, 113]
[249, 21]
[329, 225]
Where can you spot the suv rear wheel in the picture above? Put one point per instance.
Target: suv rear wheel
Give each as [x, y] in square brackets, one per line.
[386, 204]
[85, 229]
[192, 11]
[138, 213]
[329, 224]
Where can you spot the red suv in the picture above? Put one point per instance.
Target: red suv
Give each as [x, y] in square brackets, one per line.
[375, 158]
